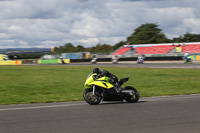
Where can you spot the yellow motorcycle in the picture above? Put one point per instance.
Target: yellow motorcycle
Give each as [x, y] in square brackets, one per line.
[101, 89]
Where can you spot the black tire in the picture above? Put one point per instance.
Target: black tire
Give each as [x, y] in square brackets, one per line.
[89, 98]
[132, 98]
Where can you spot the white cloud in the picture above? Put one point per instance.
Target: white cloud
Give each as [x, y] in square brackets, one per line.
[90, 41]
[4, 36]
[87, 27]
[7, 43]
[25, 23]
[14, 28]
[23, 44]
[192, 24]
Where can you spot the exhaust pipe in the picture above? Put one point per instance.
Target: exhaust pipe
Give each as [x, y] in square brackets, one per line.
[130, 92]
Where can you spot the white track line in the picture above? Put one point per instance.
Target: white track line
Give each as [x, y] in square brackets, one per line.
[84, 103]
[40, 107]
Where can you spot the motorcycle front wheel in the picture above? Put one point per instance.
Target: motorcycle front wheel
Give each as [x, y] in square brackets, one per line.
[90, 98]
[132, 98]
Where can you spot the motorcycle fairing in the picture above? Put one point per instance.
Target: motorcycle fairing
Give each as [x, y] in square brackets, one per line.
[89, 79]
[102, 82]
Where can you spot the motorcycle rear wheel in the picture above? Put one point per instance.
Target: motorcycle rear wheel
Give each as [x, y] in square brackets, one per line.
[90, 98]
[132, 98]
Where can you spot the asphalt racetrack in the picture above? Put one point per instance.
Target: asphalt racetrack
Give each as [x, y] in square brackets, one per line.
[147, 64]
[171, 114]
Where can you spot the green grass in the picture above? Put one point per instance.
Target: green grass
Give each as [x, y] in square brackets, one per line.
[32, 84]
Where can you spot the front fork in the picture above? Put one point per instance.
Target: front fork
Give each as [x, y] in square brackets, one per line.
[93, 91]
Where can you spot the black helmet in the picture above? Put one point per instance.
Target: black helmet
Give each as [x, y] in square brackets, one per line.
[106, 73]
[96, 70]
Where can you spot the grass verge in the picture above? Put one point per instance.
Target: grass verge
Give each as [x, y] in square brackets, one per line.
[36, 84]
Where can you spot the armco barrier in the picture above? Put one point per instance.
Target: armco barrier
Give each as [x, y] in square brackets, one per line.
[11, 62]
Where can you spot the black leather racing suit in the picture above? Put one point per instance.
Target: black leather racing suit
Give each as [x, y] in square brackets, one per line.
[112, 79]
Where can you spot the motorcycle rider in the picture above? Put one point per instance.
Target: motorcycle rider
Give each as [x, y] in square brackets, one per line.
[94, 59]
[115, 59]
[187, 57]
[141, 57]
[112, 78]
[186, 54]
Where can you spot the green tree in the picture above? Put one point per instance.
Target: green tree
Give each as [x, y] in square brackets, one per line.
[188, 37]
[147, 33]
[79, 48]
[105, 48]
[68, 45]
[119, 44]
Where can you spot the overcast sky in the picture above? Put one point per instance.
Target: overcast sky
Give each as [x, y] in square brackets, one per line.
[46, 23]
